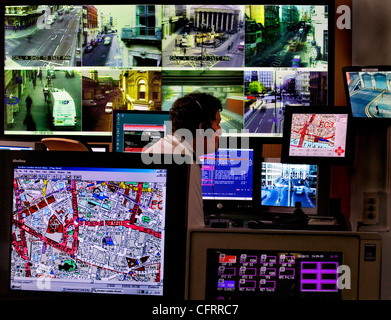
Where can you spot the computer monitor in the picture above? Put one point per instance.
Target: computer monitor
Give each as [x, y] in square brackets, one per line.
[134, 129]
[368, 91]
[285, 184]
[318, 135]
[227, 179]
[96, 225]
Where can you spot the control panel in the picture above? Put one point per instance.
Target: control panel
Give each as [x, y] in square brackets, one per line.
[240, 274]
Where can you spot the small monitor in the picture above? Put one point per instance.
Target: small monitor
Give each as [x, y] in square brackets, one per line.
[317, 135]
[94, 225]
[284, 184]
[227, 177]
[135, 129]
[368, 91]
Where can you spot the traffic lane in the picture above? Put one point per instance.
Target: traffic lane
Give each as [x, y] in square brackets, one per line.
[44, 42]
[272, 197]
[262, 121]
[28, 45]
[67, 32]
[290, 198]
[99, 54]
[278, 196]
[59, 34]
[360, 100]
[304, 199]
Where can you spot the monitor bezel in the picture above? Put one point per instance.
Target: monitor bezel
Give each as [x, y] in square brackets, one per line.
[268, 211]
[176, 218]
[330, 161]
[215, 207]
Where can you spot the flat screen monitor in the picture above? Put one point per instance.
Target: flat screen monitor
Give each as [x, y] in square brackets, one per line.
[133, 130]
[94, 226]
[285, 184]
[368, 91]
[318, 135]
[68, 65]
[243, 274]
[228, 175]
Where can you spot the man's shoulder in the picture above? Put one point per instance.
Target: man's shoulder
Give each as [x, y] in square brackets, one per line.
[164, 145]
[168, 144]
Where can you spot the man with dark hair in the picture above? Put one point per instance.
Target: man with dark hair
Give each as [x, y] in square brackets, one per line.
[195, 131]
[189, 111]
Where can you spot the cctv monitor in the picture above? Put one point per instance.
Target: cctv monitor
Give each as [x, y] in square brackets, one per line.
[80, 61]
[93, 225]
[368, 91]
[133, 130]
[284, 184]
[318, 135]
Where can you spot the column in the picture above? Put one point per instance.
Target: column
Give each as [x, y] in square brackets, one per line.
[222, 22]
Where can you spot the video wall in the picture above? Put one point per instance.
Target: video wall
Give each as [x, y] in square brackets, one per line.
[67, 67]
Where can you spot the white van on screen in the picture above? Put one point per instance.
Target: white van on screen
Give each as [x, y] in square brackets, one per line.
[64, 110]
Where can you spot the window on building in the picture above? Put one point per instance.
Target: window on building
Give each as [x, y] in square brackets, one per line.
[156, 91]
[326, 43]
[146, 20]
[141, 90]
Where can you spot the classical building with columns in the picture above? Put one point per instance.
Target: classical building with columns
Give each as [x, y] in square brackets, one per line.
[219, 18]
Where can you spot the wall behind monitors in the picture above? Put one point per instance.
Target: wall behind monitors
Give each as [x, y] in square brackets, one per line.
[97, 58]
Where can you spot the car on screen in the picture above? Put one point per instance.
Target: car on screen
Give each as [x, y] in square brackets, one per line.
[88, 49]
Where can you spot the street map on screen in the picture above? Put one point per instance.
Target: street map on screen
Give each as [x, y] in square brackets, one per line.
[318, 135]
[98, 230]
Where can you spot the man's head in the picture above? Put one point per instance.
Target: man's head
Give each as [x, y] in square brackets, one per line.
[199, 113]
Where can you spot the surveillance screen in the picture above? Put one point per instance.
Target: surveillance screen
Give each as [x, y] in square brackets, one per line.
[67, 67]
